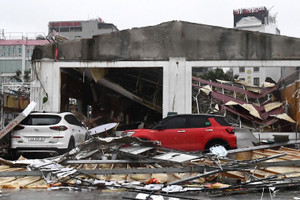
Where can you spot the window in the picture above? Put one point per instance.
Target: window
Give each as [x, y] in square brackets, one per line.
[198, 122]
[72, 120]
[222, 121]
[256, 81]
[75, 29]
[174, 122]
[241, 69]
[41, 120]
[242, 79]
[256, 69]
[54, 29]
[64, 29]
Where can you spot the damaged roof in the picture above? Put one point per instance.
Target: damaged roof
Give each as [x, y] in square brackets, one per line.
[175, 39]
[239, 100]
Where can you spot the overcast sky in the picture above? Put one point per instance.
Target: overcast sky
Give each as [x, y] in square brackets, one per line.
[33, 15]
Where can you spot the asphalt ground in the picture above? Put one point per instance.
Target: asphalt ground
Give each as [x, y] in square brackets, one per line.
[8, 194]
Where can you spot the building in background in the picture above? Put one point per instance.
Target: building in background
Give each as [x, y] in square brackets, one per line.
[15, 60]
[256, 19]
[80, 29]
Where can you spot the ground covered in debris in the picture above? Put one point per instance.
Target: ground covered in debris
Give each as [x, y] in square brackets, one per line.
[142, 167]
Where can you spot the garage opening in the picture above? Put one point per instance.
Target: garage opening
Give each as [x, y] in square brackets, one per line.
[130, 96]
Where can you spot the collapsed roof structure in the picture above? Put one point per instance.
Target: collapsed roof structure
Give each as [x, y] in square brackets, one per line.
[163, 56]
[260, 105]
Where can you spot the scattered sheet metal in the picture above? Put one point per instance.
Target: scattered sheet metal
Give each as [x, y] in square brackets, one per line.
[261, 168]
[176, 157]
[102, 128]
[17, 120]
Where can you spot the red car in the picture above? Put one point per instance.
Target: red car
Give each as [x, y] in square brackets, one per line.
[189, 132]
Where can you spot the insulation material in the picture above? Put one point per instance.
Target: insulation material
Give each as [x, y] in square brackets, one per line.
[244, 83]
[251, 110]
[285, 117]
[224, 82]
[231, 103]
[268, 84]
[206, 89]
[271, 106]
[254, 89]
[246, 106]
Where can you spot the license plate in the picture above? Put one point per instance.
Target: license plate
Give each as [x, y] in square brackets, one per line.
[38, 139]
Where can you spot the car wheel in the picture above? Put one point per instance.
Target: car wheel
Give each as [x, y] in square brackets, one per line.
[216, 143]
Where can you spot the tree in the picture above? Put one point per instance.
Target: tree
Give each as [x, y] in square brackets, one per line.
[218, 73]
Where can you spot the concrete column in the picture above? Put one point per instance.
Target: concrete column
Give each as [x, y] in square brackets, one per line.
[23, 61]
[177, 87]
[48, 84]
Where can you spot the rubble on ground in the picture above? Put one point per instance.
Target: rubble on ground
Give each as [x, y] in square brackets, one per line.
[143, 167]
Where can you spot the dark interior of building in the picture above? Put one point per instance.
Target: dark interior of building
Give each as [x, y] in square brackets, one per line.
[129, 96]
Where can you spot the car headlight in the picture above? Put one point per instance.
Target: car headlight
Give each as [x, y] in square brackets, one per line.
[129, 133]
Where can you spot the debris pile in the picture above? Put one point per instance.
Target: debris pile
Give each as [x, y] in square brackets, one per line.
[131, 164]
[260, 105]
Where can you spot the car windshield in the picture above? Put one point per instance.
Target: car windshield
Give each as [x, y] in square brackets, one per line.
[41, 120]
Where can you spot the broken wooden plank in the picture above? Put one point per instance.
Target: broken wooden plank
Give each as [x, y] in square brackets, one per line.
[267, 146]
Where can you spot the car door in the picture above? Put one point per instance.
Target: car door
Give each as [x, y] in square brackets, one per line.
[173, 133]
[198, 132]
[78, 130]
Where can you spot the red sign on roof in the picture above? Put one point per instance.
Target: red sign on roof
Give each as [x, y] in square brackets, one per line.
[57, 24]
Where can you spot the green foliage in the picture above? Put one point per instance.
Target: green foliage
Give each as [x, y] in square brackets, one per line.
[218, 73]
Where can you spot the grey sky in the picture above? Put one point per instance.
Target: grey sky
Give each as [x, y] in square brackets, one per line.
[33, 15]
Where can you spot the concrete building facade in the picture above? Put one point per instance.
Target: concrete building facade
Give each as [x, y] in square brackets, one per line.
[176, 48]
[80, 29]
[256, 19]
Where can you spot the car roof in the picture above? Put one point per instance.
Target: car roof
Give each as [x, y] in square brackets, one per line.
[50, 113]
[202, 114]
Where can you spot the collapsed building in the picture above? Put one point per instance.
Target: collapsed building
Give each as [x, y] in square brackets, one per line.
[144, 74]
[259, 107]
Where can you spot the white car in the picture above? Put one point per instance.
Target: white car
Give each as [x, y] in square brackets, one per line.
[44, 132]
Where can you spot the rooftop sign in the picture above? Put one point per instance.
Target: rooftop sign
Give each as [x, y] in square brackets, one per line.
[249, 10]
[56, 24]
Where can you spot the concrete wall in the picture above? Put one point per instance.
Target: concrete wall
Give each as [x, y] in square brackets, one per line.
[177, 39]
